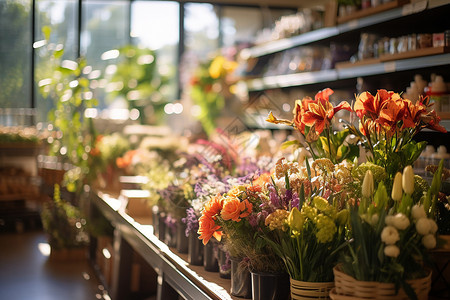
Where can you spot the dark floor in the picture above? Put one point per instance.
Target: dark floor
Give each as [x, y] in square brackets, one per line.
[27, 274]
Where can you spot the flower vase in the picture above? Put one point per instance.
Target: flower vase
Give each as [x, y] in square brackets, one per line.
[348, 288]
[210, 261]
[302, 290]
[224, 264]
[267, 286]
[159, 225]
[170, 238]
[195, 249]
[241, 280]
[182, 239]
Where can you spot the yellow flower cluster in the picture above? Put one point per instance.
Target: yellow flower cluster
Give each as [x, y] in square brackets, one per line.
[277, 219]
[326, 228]
[323, 205]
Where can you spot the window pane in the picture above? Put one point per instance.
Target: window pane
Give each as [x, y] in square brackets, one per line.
[155, 25]
[61, 17]
[15, 57]
[201, 30]
[105, 27]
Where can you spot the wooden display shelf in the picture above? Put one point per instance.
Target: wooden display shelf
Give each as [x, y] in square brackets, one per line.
[393, 57]
[415, 53]
[348, 64]
[371, 11]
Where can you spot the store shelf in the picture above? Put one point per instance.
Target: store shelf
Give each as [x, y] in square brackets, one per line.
[372, 11]
[288, 43]
[377, 16]
[189, 282]
[351, 71]
[394, 66]
[289, 80]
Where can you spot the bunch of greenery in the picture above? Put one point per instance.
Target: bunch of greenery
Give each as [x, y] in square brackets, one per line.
[144, 88]
[64, 223]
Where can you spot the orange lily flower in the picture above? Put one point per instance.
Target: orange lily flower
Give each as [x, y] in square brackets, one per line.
[391, 113]
[320, 111]
[366, 103]
[432, 120]
[413, 112]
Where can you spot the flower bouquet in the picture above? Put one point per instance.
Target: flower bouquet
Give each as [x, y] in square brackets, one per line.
[387, 125]
[308, 227]
[390, 238]
[236, 217]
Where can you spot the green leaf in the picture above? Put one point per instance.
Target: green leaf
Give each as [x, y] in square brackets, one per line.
[288, 144]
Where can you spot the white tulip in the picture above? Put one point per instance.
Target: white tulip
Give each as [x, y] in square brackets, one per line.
[367, 186]
[390, 235]
[423, 226]
[408, 180]
[397, 191]
[374, 220]
[429, 241]
[391, 251]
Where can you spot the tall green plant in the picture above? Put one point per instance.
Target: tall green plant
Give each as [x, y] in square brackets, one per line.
[67, 85]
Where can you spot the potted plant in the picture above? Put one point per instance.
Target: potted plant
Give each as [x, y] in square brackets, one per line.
[66, 228]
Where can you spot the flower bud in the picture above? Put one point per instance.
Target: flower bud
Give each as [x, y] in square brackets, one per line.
[391, 251]
[408, 180]
[390, 235]
[343, 216]
[418, 212]
[423, 226]
[296, 220]
[367, 186]
[397, 191]
[374, 219]
[401, 221]
[389, 220]
[433, 226]
[429, 241]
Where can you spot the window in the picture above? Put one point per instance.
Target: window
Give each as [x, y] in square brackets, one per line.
[15, 59]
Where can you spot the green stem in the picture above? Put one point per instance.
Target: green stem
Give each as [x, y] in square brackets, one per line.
[332, 155]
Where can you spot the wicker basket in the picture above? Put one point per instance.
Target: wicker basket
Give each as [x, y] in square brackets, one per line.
[301, 290]
[348, 288]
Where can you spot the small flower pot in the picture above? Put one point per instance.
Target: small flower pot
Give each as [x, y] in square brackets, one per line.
[182, 239]
[266, 286]
[241, 280]
[195, 250]
[210, 261]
